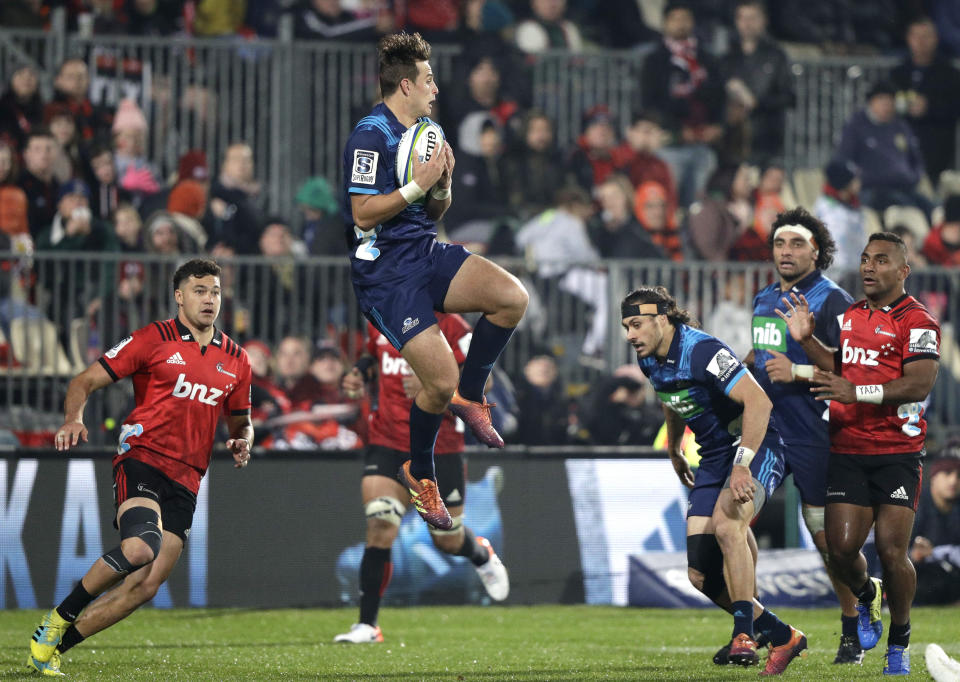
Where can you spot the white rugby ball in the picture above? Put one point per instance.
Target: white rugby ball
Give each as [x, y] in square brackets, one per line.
[426, 139]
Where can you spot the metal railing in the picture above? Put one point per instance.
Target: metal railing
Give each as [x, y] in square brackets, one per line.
[296, 102]
[67, 309]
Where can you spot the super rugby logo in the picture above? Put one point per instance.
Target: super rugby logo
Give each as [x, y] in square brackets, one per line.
[722, 364]
[854, 355]
[112, 353]
[364, 167]
[923, 341]
[199, 392]
[409, 324]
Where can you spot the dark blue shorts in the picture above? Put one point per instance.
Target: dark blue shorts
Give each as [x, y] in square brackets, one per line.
[766, 467]
[809, 464]
[403, 308]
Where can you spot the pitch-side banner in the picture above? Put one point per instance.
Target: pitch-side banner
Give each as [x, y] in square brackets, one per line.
[785, 577]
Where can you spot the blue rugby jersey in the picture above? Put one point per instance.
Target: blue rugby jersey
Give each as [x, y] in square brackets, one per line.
[695, 380]
[800, 418]
[389, 251]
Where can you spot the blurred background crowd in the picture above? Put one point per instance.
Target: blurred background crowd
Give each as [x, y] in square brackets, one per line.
[690, 172]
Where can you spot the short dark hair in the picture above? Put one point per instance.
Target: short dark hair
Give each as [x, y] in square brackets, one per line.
[891, 237]
[664, 301]
[197, 267]
[398, 54]
[759, 4]
[800, 216]
[677, 5]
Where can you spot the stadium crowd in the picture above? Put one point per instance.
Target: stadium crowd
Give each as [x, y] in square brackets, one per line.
[698, 174]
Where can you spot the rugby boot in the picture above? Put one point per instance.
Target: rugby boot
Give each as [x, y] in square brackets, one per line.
[50, 667]
[477, 417]
[47, 636]
[869, 624]
[897, 660]
[780, 656]
[426, 498]
[849, 651]
[722, 657]
[361, 633]
[743, 650]
[493, 574]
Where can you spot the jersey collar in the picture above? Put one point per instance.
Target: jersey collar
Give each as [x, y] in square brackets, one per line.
[186, 335]
[674, 351]
[806, 282]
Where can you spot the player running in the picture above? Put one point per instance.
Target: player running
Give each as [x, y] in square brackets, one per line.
[802, 248]
[384, 498]
[886, 366]
[402, 274]
[186, 373]
[704, 386]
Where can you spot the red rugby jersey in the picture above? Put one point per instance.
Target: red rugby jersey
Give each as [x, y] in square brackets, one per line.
[390, 423]
[180, 392]
[874, 347]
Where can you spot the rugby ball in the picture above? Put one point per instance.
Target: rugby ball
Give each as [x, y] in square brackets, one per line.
[425, 139]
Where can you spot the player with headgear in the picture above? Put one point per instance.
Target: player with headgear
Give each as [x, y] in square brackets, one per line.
[702, 385]
[401, 274]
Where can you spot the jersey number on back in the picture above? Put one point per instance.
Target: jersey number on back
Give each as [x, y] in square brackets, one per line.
[366, 250]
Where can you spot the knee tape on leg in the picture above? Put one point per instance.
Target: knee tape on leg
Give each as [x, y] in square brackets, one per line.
[388, 509]
[454, 529]
[813, 517]
[704, 555]
[137, 522]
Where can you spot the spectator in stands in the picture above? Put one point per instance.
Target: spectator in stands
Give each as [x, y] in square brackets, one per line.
[328, 20]
[684, 82]
[592, 161]
[171, 234]
[128, 227]
[37, 181]
[21, 109]
[637, 155]
[135, 172]
[13, 202]
[22, 14]
[543, 410]
[482, 192]
[769, 198]
[105, 194]
[301, 388]
[535, 169]
[483, 101]
[617, 411]
[615, 231]
[557, 238]
[651, 206]
[925, 82]
[153, 17]
[481, 33]
[616, 24]
[189, 195]
[882, 145]
[935, 549]
[717, 224]
[327, 366]
[68, 162]
[437, 20]
[280, 288]
[942, 245]
[70, 87]
[757, 75]
[266, 398]
[321, 226]
[730, 318]
[234, 217]
[915, 256]
[839, 209]
[218, 17]
[548, 29]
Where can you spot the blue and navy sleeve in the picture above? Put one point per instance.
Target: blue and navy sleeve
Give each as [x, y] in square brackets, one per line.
[827, 326]
[367, 163]
[714, 364]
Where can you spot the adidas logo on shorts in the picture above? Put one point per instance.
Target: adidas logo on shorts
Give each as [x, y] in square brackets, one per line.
[899, 494]
[175, 359]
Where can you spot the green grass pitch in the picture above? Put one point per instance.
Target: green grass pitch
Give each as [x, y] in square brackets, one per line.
[449, 643]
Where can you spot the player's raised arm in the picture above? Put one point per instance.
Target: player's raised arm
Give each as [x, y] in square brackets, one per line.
[800, 324]
[89, 380]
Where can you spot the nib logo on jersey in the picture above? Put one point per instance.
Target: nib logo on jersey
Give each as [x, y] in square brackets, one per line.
[854, 355]
[199, 392]
[770, 334]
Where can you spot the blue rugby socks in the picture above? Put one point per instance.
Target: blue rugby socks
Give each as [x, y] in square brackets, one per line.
[487, 343]
[423, 434]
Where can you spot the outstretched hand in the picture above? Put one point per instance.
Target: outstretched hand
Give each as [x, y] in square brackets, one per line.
[240, 447]
[799, 319]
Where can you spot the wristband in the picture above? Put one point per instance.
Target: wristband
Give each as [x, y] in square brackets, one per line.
[440, 193]
[802, 371]
[411, 191]
[743, 457]
[870, 393]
